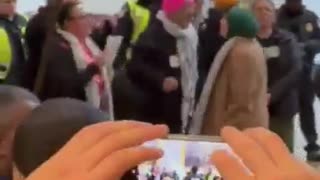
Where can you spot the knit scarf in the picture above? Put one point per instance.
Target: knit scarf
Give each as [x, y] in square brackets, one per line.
[92, 89]
[187, 44]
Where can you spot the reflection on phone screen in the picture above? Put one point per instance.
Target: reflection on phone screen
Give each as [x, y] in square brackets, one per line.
[183, 160]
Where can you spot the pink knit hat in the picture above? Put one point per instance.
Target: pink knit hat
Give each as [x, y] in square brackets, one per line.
[173, 6]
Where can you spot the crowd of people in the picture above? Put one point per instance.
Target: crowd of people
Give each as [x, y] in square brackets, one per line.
[192, 67]
[192, 174]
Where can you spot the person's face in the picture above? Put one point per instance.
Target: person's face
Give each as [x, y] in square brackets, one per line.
[184, 17]
[265, 13]
[7, 7]
[79, 22]
[224, 27]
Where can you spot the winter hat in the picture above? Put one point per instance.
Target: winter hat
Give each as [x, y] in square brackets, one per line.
[225, 5]
[173, 6]
[241, 23]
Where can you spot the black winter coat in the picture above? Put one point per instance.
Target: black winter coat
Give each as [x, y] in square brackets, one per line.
[37, 30]
[306, 28]
[61, 77]
[210, 42]
[149, 66]
[283, 74]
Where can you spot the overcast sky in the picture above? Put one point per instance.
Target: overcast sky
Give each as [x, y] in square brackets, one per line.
[106, 6]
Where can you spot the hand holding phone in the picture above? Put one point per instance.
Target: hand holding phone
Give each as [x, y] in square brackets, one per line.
[185, 157]
[264, 154]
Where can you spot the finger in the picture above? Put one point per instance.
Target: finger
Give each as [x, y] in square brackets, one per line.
[91, 135]
[229, 167]
[122, 140]
[280, 154]
[249, 151]
[273, 145]
[115, 165]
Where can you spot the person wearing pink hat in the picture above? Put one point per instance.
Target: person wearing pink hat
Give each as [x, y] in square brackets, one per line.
[164, 66]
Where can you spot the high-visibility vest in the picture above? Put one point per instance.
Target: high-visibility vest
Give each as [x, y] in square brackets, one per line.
[140, 17]
[23, 27]
[6, 53]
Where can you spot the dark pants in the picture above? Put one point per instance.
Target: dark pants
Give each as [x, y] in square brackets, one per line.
[306, 100]
[127, 98]
[283, 127]
[163, 109]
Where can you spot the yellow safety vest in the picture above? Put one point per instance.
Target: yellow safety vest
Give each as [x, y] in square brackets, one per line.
[140, 17]
[23, 28]
[6, 52]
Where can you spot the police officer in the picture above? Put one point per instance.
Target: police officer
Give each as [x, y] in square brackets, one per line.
[134, 19]
[12, 52]
[305, 25]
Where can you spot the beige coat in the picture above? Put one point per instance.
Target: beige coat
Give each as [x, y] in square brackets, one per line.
[239, 96]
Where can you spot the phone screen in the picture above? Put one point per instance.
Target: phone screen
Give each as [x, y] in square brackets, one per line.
[183, 160]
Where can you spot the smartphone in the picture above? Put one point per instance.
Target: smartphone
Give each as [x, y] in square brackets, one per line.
[185, 158]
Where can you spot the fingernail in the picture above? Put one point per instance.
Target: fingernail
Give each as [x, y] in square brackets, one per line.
[162, 126]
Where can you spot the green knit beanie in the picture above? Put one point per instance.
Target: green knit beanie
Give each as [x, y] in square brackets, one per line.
[241, 23]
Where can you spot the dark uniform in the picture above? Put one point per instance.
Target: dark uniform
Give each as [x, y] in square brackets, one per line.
[283, 57]
[305, 25]
[210, 42]
[13, 55]
[134, 21]
[39, 26]
[149, 67]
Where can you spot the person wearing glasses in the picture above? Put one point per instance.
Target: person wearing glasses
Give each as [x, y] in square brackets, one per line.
[39, 26]
[12, 27]
[72, 64]
[284, 64]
